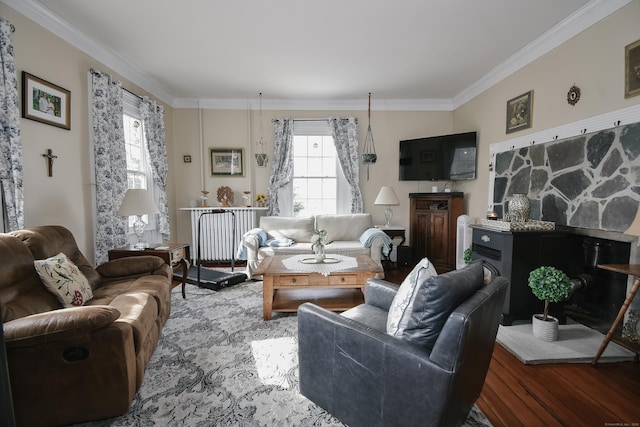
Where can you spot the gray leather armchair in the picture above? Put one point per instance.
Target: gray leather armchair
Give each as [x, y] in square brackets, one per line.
[365, 377]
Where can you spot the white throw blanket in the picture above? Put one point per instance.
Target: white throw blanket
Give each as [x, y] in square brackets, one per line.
[263, 240]
[372, 233]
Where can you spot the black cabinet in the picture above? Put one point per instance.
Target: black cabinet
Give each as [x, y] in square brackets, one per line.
[515, 254]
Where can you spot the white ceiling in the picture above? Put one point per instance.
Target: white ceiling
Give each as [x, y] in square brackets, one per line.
[422, 53]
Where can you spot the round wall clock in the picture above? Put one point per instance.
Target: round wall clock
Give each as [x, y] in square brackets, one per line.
[573, 96]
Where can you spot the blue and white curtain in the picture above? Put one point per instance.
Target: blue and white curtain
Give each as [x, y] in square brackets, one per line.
[10, 146]
[153, 118]
[345, 138]
[282, 164]
[110, 159]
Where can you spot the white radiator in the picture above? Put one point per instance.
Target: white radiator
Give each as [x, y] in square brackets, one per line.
[217, 241]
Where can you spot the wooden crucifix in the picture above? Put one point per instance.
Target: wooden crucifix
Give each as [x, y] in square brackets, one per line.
[49, 155]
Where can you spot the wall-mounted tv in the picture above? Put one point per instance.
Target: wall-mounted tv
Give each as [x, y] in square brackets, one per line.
[439, 158]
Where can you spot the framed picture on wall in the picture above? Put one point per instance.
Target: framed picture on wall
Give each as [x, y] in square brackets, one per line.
[45, 102]
[227, 161]
[632, 69]
[519, 112]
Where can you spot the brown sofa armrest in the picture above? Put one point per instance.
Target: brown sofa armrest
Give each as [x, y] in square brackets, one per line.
[58, 325]
[132, 266]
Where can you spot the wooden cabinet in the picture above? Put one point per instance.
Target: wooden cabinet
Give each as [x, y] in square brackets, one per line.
[433, 222]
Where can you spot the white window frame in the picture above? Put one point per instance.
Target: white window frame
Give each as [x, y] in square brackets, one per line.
[317, 127]
[131, 107]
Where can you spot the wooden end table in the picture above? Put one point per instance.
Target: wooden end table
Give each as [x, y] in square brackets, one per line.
[177, 255]
[285, 290]
[393, 231]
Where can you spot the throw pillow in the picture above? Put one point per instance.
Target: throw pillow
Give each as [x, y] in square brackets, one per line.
[63, 279]
[402, 304]
[436, 299]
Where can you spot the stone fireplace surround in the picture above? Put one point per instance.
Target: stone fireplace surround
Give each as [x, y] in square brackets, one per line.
[588, 184]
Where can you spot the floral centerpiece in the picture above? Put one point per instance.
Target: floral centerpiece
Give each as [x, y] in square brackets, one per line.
[261, 199]
[318, 241]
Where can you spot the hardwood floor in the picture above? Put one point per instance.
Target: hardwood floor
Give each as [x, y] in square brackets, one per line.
[515, 394]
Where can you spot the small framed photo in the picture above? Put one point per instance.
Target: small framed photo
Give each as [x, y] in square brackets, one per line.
[186, 158]
[519, 112]
[632, 69]
[45, 102]
[227, 161]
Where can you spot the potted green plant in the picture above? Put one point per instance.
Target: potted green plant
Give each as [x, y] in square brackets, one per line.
[548, 284]
[466, 255]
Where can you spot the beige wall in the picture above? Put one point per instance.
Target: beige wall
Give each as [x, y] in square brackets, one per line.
[65, 198]
[593, 61]
[241, 129]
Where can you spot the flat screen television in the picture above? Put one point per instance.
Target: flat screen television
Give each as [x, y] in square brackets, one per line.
[439, 158]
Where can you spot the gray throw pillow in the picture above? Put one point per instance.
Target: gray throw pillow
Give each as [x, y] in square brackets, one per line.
[436, 299]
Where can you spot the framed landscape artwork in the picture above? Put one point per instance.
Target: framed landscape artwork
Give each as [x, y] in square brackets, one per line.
[632, 69]
[227, 161]
[45, 102]
[519, 112]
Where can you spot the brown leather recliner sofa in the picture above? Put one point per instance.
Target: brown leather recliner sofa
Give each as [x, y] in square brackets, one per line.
[69, 365]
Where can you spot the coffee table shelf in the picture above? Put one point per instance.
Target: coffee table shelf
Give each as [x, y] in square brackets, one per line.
[288, 300]
[284, 290]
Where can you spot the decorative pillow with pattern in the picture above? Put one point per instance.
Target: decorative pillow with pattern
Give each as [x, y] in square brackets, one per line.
[63, 279]
[402, 304]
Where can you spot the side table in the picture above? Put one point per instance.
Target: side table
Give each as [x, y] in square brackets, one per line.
[177, 255]
[393, 232]
[631, 270]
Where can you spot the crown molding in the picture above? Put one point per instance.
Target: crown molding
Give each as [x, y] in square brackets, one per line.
[315, 104]
[587, 16]
[61, 28]
[590, 14]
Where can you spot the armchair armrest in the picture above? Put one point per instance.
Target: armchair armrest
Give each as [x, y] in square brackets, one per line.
[58, 325]
[133, 266]
[252, 245]
[380, 293]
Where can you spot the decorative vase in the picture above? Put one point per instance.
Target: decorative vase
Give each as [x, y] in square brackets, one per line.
[519, 208]
[545, 330]
[318, 251]
[246, 198]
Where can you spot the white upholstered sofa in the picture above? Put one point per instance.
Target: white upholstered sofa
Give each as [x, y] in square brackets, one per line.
[351, 234]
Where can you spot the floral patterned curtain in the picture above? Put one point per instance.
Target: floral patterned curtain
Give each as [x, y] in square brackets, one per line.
[110, 160]
[345, 137]
[10, 145]
[153, 118]
[282, 164]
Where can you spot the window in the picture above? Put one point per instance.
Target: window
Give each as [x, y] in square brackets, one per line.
[138, 165]
[314, 175]
[318, 185]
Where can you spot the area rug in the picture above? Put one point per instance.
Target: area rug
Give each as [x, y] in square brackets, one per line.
[576, 343]
[219, 364]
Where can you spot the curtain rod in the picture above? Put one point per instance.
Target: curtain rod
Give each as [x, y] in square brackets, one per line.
[94, 71]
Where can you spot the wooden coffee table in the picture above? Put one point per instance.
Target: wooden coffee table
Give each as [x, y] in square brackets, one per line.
[285, 290]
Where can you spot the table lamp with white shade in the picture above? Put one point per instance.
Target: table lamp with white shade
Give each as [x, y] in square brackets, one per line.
[137, 202]
[388, 197]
